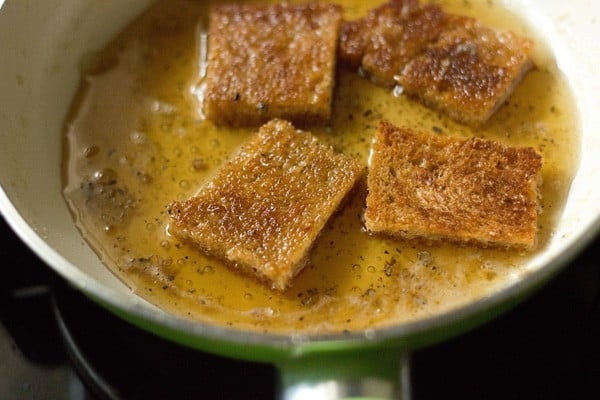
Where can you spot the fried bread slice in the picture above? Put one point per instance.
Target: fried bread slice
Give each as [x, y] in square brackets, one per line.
[469, 71]
[271, 61]
[264, 208]
[384, 41]
[467, 191]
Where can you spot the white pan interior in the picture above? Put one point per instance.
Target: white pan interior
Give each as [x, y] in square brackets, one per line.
[41, 44]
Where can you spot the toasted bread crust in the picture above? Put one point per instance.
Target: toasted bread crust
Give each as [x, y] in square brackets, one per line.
[263, 210]
[391, 35]
[451, 63]
[271, 61]
[467, 191]
[469, 71]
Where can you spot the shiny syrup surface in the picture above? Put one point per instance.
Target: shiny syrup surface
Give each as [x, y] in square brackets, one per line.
[135, 141]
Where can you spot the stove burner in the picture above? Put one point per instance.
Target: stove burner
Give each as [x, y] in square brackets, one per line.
[535, 351]
[546, 348]
[116, 360]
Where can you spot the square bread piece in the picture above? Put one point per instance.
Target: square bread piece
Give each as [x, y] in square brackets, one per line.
[469, 71]
[384, 41]
[271, 61]
[467, 191]
[263, 209]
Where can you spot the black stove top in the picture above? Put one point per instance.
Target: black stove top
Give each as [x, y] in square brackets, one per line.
[56, 344]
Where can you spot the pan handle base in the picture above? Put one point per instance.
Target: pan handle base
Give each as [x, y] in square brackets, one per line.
[374, 375]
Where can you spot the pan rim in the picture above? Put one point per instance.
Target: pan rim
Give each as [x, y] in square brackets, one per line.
[397, 335]
[401, 334]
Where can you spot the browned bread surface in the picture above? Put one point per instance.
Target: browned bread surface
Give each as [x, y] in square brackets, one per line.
[264, 209]
[468, 191]
[267, 61]
[469, 71]
[389, 37]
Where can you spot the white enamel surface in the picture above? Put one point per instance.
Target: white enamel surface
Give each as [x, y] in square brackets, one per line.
[41, 43]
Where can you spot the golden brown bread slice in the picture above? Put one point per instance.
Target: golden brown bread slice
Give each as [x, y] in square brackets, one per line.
[469, 71]
[264, 209]
[389, 37]
[468, 191]
[267, 61]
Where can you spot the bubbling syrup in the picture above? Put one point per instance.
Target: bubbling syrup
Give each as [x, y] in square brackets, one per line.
[135, 141]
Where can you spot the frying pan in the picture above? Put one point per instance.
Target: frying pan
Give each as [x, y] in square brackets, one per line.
[41, 44]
